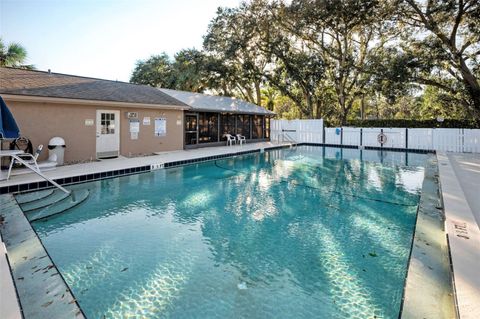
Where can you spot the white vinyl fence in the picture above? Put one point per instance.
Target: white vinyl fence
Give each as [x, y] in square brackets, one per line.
[299, 131]
[440, 139]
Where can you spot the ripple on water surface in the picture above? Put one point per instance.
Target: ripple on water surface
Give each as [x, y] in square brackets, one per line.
[283, 234]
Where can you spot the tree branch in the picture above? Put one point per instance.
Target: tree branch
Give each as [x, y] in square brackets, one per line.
[458, 19]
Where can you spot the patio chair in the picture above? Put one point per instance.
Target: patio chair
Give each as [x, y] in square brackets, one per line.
[230, 139]
[31, 161]
[241, 139]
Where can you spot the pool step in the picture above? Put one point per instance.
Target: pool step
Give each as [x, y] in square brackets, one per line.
[31, 197]
[45, 201]
[77, 197]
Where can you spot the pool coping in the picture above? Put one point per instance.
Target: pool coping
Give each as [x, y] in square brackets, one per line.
[40, 288]
[463, 235]
[428, 291]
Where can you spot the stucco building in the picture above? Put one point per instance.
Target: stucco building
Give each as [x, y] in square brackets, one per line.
[101, 118]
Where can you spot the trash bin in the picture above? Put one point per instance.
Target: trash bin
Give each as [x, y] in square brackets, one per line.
[56, 149]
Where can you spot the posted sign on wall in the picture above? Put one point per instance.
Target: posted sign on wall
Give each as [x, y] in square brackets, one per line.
[160, 126]
[134, 129]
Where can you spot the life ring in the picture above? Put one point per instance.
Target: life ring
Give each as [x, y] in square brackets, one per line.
[382, 138]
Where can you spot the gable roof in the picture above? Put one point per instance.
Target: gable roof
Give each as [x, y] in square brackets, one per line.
[45, 84]
[215, 103]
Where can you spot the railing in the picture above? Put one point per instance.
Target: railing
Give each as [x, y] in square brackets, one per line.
[287, 138]
[35, 170]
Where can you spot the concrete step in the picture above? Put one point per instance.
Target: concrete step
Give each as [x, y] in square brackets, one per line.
[57, 196]
[77, 197]
[33, 196]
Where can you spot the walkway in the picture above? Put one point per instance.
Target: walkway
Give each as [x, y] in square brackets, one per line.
[460, 184]
[467, 169]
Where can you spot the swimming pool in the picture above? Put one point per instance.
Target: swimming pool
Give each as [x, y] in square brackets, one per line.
[291, 233]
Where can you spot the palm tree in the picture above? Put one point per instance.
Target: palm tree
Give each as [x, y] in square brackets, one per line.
[13, 55]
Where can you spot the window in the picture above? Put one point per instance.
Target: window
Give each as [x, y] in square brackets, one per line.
[191, 129]
[108, 123]
[266, 127]
[257, 127]
[208, 127]
[227, 125]
[243, 125]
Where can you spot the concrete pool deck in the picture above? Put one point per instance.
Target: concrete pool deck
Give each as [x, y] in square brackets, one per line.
[460, 193]
[467, 169]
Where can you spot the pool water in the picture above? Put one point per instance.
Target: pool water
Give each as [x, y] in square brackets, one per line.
[308, 232]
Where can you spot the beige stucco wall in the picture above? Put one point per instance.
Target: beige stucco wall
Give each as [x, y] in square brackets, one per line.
[42, 121]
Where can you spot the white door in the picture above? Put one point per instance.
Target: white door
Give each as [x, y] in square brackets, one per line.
[108, 133]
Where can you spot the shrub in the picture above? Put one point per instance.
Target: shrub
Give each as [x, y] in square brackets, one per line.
[433, 123]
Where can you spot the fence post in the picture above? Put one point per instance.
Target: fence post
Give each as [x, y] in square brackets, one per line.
[406, 138]
[361, 136]
[381, 144]
[341, 136]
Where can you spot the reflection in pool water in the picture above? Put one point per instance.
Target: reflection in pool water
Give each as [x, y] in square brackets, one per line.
[308, 232]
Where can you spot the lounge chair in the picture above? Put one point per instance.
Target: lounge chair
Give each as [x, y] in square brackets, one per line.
[241, 139]
[31, 159]
[230, 139]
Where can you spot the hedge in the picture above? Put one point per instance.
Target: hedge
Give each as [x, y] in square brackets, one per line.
[433, 123]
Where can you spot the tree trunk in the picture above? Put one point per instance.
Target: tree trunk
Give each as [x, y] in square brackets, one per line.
[471, 84]
[343, 107]
[309, 111]
[318, 108]
[249, 95]
[258, 93]
[362, 108]
[225, 89]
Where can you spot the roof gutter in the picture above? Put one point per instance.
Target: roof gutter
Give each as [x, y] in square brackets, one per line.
[230, 111]
[57, 100]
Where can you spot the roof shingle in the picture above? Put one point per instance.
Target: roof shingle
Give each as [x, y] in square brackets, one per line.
[215, 103]
[45, 84]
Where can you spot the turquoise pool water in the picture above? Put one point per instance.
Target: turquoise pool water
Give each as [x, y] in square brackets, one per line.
[309, 232]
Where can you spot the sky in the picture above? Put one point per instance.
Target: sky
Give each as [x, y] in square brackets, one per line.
[104, 38]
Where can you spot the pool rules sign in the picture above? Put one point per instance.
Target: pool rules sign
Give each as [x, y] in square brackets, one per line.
[160, 126]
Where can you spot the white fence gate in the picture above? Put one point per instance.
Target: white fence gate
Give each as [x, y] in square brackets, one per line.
[299, 131]
[440, 139]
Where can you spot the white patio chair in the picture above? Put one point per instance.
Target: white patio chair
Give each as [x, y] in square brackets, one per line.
[31, 161]
[230, 139]
[241, 139]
